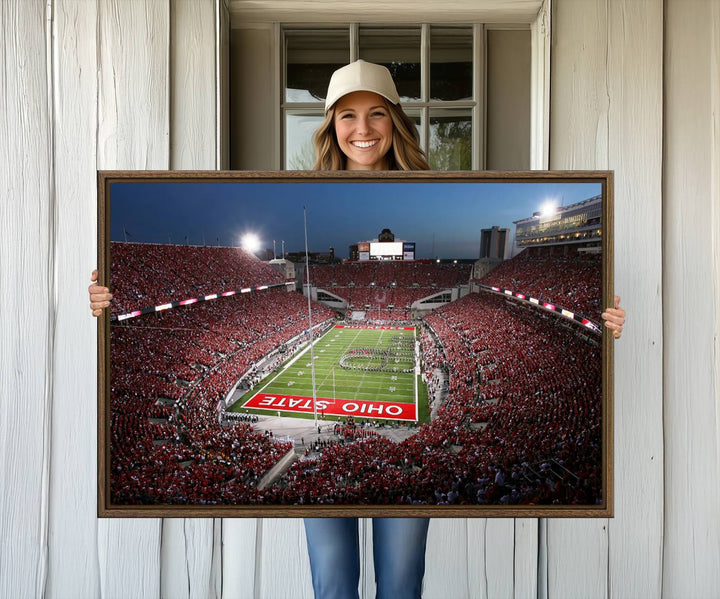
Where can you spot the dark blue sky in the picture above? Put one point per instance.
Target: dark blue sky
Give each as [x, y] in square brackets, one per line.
[444, 219]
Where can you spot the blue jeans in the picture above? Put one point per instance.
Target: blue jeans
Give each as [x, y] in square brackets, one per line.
[398, 552]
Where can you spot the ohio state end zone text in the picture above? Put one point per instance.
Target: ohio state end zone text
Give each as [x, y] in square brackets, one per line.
[334, 407]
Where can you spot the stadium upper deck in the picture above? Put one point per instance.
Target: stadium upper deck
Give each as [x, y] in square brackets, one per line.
[523, 394]
[147, 274]
[577, 223]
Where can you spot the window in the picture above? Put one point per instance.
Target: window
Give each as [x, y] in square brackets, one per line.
[436, 70]
[467, 87]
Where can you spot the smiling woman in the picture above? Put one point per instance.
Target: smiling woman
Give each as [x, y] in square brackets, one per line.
[437, 69]
[365, 128]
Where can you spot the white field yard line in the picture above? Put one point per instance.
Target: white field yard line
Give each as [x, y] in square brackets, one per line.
[329, 370]
[270, 381]
[376, 383]
[378, 342]
[341, 381]
[362, 378]
[378, 390]
[281, 371]
[372, 388]
[373, 385]
[299, 355]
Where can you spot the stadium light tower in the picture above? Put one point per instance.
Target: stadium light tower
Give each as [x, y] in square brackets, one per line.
[549, 208]
[250, 242]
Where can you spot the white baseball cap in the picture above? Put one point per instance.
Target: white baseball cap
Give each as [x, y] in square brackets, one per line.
[361, 76]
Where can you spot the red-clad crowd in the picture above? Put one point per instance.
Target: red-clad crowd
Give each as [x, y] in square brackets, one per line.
[385, 274]
[521, 422]
[519, 416]
[382, 297]
[383, 284]
[572, 280]
[169, 370]
[147, 274]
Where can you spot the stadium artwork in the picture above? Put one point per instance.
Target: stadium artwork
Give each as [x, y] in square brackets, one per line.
[355, 344]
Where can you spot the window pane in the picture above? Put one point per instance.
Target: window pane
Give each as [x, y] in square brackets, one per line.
[398, 50]
[299, 149]
[450, 145]
[415, 117]
[311, 57]
[451, 57]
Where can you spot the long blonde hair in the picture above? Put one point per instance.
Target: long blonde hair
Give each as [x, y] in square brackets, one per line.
[405, 154]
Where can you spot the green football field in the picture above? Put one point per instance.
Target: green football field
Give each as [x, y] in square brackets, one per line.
[358, 364]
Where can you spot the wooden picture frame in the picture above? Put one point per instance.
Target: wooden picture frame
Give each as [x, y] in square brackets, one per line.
[506, 336]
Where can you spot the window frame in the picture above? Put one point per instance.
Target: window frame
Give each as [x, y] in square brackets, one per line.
[476, 106]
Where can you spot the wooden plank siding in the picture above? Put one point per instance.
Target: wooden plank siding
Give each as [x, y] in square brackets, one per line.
[577, 550]
[606, 112]
[86, 85]
[690, 292]
[27, 315]
[635, 117]
[189, 565]
[282, 566]
[133, 132]
[73, 550]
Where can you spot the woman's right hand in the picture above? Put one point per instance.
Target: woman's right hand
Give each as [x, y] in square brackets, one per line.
[99, 296]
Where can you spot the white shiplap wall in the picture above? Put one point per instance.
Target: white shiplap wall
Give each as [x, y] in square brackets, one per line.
[577, 551]
[117, 84]
[27, 314]
[191, 553]
[73, 530]
[692, 305]
[133, 133]
[606, 112]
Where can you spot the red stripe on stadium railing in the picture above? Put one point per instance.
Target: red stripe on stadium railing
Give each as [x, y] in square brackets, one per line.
[386, 410]
[590, 324]
[192, 300]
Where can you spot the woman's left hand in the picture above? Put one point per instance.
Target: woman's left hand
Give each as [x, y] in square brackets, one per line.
[615, 318]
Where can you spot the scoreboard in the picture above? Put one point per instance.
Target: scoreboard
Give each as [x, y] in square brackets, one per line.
[386, 250]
